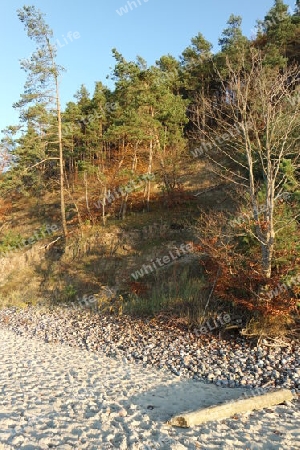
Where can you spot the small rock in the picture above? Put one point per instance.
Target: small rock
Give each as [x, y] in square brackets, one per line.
[123, 413]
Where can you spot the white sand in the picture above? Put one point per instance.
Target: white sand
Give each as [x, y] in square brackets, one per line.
[54, 396]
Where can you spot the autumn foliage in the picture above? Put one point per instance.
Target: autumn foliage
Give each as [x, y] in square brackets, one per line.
[234, 270]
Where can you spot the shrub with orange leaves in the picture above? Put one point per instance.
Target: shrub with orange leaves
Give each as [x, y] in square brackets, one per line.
[234, 269]
[138, 287]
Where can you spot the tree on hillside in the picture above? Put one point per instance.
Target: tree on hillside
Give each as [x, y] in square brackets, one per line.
[276, 33]
[42, 83]
[233, 43]
[255, 136]
[128, 130]
[277, 14]
[169, 69]
[196, 64]
[149, 119]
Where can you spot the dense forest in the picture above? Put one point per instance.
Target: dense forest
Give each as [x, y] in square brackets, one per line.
[127, 158]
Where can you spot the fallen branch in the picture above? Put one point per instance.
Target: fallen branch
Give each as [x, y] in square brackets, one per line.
[47, 246]
[228, 410]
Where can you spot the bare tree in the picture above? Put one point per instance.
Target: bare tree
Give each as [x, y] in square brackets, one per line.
[252, 128]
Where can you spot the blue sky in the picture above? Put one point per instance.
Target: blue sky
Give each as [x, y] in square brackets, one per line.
[152, 29]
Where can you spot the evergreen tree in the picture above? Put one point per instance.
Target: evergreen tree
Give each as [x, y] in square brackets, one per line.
[235, 48]
[196, 62]
[169, 73]
[232, 39]
[278, 29]
[197, 74]
[42, 83]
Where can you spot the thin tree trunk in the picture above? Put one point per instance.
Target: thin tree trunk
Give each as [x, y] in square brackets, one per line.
[86, 194]
[267, 256]
[76, 207]
[268, 250]
[149, 171]
[61, 164]
[103, 205]
[123, 208]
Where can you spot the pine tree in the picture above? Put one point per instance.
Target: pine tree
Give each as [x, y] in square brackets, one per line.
[197, 70]
[42, 83]
[278, 29]
[232, 38]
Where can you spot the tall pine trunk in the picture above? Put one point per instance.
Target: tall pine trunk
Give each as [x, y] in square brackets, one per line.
[61, 164]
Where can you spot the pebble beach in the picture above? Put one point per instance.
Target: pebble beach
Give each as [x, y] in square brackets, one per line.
[75, 379]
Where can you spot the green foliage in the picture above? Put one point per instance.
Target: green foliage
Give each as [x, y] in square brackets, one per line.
[234, 45]
[278, 35]
[288, 242]
[68, 293]
[232, 36]
[11, 241]
[289, 172]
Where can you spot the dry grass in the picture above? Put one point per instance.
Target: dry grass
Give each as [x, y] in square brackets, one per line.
[98, 256]
[268, 326]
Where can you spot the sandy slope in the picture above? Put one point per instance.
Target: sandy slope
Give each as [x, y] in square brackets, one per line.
[54, 396]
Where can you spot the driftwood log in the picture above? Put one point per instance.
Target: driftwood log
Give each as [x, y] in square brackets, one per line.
[227, 410]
